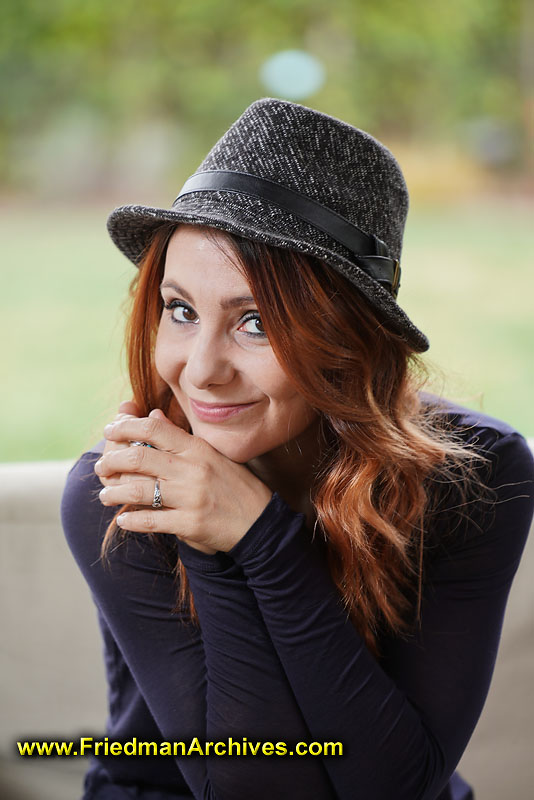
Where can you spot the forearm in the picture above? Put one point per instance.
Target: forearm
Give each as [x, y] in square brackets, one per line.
[248, 694]
[405, 726]
[273, 631]
[129, 719]
[136, 595]
[245, 692]
[342, 691]
[404, 722]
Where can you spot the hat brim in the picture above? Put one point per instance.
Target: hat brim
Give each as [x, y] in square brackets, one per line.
[132, 227]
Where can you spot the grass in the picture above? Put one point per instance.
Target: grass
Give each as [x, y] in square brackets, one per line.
[466, 283]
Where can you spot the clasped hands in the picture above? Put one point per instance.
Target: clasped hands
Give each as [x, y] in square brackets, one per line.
[209, 501]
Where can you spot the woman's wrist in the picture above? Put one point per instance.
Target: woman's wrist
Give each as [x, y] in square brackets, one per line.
[200, 560]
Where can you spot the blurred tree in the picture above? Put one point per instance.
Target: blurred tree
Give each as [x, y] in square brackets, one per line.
[403, 69]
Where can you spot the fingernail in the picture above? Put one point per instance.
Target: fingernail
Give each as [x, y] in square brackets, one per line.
[98, 464]
[121, 519]
[103, 492]
[109, 427]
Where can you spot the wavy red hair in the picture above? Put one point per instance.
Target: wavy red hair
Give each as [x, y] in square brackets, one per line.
[383, 445]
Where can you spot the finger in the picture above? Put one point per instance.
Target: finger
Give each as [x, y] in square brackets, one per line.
[161, 521]
[119, 478]
[135, 492]
[107, 447]
[156, 430]
[122, 415]
[148, 520]
[109, 481]
[141, 461]
[129, 407]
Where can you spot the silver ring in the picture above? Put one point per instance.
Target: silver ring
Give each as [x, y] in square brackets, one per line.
[157, 502]
[140, 444]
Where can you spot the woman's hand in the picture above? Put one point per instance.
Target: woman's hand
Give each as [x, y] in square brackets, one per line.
[208, 500]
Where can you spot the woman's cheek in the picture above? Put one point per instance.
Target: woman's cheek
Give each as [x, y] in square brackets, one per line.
[162, 359]
[165, 367]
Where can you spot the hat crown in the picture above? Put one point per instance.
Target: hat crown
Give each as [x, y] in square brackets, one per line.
[323, 158]
[292, 177]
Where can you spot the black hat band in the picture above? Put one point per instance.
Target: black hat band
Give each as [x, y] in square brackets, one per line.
[377, 264]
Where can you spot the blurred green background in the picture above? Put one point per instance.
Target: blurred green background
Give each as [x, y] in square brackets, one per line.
[105, 104]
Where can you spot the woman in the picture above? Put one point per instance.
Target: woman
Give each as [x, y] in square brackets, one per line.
[293, 542]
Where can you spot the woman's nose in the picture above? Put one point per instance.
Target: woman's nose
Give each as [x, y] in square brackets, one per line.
[208, 362]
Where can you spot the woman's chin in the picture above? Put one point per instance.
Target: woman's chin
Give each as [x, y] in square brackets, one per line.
[231, 447]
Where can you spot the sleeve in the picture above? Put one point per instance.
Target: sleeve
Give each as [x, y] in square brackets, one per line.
[404, 722]
[129, 719]
[278, 656]
[136, 597]
[175, 681]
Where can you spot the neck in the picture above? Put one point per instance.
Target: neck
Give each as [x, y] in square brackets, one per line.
[289, 469]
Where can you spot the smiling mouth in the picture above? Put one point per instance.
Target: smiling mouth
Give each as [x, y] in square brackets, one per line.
[217, 405]
[213, 412]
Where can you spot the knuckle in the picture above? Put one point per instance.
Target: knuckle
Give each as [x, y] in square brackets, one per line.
[137, 493]
[136, 456]
[108, 447]
[150, 427]
[148, 521]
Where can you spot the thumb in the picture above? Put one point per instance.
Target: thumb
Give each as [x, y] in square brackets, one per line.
[157, 413]
[129, 407]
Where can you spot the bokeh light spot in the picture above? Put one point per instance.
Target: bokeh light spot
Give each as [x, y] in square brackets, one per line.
[294, 74]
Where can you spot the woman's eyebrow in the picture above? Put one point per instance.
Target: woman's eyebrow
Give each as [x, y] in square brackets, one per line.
[228, 302]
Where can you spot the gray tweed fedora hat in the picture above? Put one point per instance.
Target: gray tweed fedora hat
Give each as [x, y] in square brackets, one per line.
[294, 177]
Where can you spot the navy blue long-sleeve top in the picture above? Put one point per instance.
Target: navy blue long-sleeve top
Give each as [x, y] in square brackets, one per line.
[274, 657]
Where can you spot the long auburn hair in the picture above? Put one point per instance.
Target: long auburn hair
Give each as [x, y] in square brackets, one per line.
[385, 451]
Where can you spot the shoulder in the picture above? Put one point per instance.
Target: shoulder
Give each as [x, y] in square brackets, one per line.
[489, 523]
[85, 522]
[83, 516]
[506, 448]
[82, 483]
[463, 418]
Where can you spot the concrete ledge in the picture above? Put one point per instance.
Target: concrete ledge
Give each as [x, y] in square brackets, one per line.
[53, 682]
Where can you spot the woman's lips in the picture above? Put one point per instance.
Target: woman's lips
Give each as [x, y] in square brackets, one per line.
[213, 413]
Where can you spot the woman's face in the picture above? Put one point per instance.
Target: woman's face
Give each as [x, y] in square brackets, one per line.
[212, 352]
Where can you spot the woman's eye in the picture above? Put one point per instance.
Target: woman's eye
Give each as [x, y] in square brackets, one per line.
[181, 312]
[254, 326]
